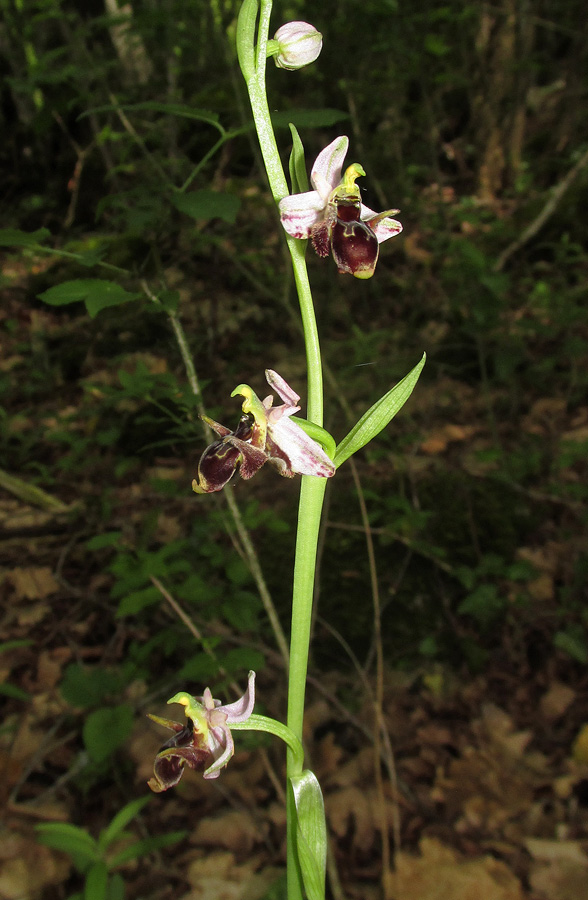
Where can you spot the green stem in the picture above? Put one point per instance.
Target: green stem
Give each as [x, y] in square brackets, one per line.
[314, 412]
[51, 251]
[312, 489]
[279, 188]
[312, 492]
[267, 138]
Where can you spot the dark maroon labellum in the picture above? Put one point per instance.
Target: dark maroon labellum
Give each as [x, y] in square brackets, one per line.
[354, 245]
[221, 459]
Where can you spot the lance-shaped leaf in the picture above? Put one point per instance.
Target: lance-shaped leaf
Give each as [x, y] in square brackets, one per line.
[378, 416]
[297, 163]
[246, 23]
[70, 839]
[311, 833]
[121, 820]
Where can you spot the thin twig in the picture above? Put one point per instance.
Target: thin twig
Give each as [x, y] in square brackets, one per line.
[410, 545]
[380, 725]
[74, 183]
[551, 205]
[229, 497]
[129, 128]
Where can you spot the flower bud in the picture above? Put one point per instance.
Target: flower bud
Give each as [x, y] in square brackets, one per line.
[298, 45]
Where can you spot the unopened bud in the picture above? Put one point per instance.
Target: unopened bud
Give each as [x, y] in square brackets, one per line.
[298, 44]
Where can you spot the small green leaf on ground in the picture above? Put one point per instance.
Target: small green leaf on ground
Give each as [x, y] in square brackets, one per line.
[208, 205]
[96, 293]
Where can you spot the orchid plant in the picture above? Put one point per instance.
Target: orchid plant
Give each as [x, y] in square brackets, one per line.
[331, 214]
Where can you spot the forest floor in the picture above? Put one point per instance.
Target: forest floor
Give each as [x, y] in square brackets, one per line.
[485, 788]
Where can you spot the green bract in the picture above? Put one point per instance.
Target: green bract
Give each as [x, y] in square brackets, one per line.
[311, 833]
[378, 416]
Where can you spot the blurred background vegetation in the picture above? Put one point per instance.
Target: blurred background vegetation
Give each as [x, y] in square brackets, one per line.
[128, 156]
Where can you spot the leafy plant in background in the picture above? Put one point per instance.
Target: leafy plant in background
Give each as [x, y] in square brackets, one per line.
[98, 859]
[333, 216]
[107, 281]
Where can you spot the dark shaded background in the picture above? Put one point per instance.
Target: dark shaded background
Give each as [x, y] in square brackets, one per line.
[471, 119]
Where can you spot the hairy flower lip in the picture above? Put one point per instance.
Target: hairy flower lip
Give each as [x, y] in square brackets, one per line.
[205, 742]
[314, 213]
[266, 433]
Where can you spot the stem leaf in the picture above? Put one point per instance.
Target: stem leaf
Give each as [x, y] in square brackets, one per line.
[246, 38]
[311, 833]
[318, 434]
[378, 416]
[297, 164]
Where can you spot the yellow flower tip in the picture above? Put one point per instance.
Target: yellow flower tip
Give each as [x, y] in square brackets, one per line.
[193, 711]
[251, 399]
[196, 487]
[182, 698]
[242, 389]
[252, 405]
[367, 273]
[352, 172]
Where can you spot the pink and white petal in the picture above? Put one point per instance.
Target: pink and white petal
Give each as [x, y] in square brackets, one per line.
[281, 387]
[241, 709]
[385, 228]
[225, 741]
[207, 700]
[326, 172]
[305, 455]
[367, 213]
[382, 224]
[275, 414]
[299, 212]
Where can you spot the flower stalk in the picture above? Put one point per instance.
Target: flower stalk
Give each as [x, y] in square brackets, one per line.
[312, 489]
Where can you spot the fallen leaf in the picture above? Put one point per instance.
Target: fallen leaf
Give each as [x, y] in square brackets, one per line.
[440, 439]
[541, 588]
[414, 252]
[30, 869]
[440, 874]
[560, 880]
[49, 667]
[556, 701]
[168, 529]
[213, 864]
[548, 850]
[215, 889]
[33, 583]
[580, 746]
[500, 729]
[358, 808]
[236, 830]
